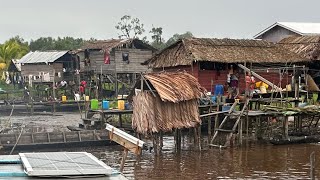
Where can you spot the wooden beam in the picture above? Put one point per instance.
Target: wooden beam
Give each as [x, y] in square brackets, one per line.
[260, 77]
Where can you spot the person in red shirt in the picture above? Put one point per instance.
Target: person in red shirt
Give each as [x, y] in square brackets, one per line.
[249, 85]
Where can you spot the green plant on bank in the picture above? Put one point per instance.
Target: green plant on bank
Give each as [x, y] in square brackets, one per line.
[12, 92]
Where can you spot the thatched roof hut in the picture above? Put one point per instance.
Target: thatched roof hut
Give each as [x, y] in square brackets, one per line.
[186, 51]
[306, 46]
[166, 101]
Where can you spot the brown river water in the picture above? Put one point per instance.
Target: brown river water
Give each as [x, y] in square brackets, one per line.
[251, 161]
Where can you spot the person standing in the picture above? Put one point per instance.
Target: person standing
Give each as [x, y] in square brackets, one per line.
[250, 81]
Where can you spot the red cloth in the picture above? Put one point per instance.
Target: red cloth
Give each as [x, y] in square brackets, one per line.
[250, 82]
[81, 89]
[83, 83]
[106, 57]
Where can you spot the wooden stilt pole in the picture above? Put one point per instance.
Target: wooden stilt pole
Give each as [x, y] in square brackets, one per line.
[209, 129]
[199, 136]
[285, 127]
[240, 131]
[312, 164]
[161, 139]
[124, 157]
[195, 137]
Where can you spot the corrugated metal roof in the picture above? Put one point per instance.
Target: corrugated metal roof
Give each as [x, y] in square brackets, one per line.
[297, 27]
[41, 57]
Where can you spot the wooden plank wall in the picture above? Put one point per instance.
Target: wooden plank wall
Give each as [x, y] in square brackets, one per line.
[34, 69]
[136, 57]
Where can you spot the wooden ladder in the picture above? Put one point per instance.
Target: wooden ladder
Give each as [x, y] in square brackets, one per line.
[226, 134]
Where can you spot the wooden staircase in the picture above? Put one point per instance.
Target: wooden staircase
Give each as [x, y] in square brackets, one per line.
[223, 135]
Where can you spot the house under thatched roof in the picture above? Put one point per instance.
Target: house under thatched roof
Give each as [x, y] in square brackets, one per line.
[186, 51]
[116, 43]
[172, 102]
[307, 46]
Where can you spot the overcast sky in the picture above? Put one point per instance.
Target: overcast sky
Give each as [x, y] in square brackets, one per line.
[32, 19]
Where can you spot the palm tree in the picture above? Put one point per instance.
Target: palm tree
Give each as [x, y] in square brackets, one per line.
[12, 50]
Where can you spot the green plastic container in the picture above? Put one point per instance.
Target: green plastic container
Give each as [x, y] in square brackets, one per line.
[94, 104]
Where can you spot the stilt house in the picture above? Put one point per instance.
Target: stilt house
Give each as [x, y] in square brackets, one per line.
[210, 60]
[308, 47]
[117, 57]
[48, 66]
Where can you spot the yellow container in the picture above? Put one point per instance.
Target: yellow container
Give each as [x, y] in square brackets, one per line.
[288, 87]
[121, 105]
[87, 98]
[263, 89]
[64, 98]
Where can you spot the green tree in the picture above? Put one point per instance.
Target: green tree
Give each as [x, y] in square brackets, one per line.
[156, 36]
[129, 27]
[12, 49]
[49, 43]
[176, 37]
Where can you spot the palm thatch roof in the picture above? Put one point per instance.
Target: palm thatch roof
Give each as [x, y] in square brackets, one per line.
[185, 51]
[116, 43]
[170, 101]
[306, 46]
[176, 86]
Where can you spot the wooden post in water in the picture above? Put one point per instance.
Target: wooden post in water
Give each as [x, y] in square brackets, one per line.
[54, 91]
[285, 127]
[124, 157]
[240, 131]
[161, 139]
[199, 136]
[31, 99]
[312, 164]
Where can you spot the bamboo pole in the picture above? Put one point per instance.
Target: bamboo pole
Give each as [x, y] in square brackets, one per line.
[16, 142]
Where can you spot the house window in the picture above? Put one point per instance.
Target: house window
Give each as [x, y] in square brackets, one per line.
[206, 65]
[125, 57]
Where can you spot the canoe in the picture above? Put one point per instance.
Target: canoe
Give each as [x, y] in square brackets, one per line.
[55, 139]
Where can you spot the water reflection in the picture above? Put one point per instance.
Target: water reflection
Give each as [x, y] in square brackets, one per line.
[250, 162]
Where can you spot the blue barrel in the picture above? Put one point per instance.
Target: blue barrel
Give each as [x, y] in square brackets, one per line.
[218, 90]
[105, 104]
[127, 105]
[226, 108]
[214, 99]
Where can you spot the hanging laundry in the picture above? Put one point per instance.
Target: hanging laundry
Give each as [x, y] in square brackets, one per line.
[46, 77]
[3, 77]
[8, 81]
[30, 80]
[106, 57]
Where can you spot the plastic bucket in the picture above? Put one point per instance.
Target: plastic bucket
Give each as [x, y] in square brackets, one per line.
[214, 99]
[87, 98]
[64, 98]
[127, 106]
[121, 105]
[94, 104]
[77, 97]
[263, 89]
[218, 90]
[105, 104]
[288, 87]
[226, 108]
